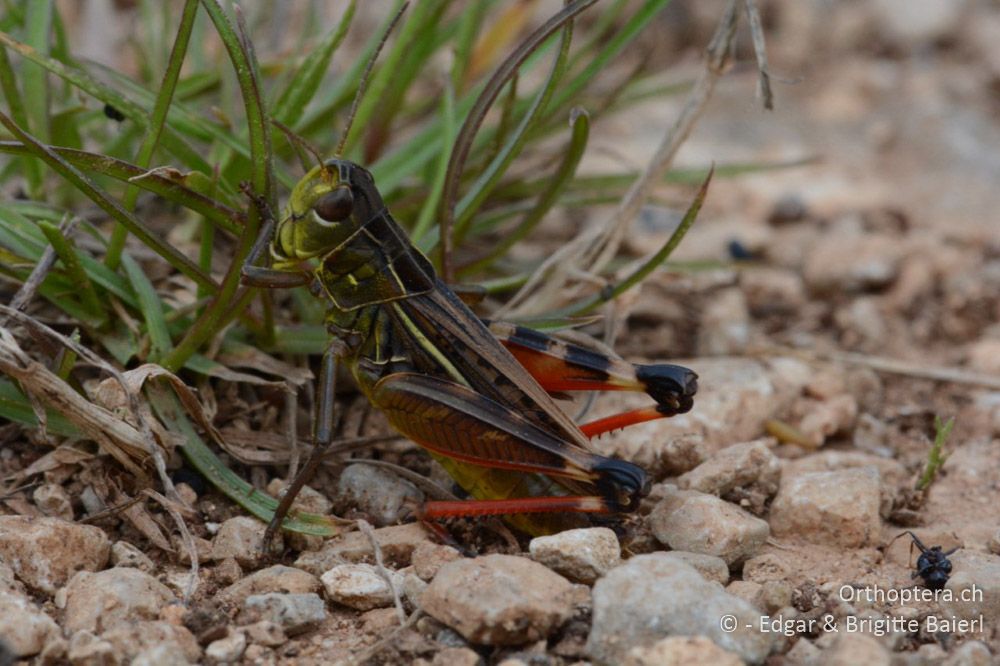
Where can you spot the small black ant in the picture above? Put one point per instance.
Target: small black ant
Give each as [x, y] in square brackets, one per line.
[933, 565]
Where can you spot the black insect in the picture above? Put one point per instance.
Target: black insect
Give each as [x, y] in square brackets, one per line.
[113, 113]
[933, 565]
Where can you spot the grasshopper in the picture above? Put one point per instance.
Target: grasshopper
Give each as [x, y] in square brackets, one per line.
[474, 394]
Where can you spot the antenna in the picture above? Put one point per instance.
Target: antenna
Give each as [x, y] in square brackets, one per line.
[365, 76]
[299, 143]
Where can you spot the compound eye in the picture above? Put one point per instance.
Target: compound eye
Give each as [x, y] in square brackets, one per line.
[335, 206]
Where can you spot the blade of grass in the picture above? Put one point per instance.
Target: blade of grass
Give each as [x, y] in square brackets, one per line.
[430, 207]
[16, 408]
[417, 21]
[155, 126]
[302, 88]
[84, 288]
[172, 141]
[168, 408]
[393, 104]
[244, 64]
[468, 27]
[342, 91]
[109, 205]
[35, 80]
[31, 169]
[23, 237]
[622, 38]
[613, 291]
[580, 124]
[936, 455]
[466, 135]
[151, 307]
[167, 183]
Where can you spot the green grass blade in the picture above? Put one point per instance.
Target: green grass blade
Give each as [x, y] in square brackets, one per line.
[155, 126]
[151, 307]
[109, 205]
[262, 177]
[622, 38]
[169, 184]
[84, 288]
[35, 80]
[16, 408]
[417, 22]
[466, 136]
[488, 180]
[259, 504]
[88, 84]
[611, 292]
[564, 174]
[302, 88]
[430, 207]
[15, 102]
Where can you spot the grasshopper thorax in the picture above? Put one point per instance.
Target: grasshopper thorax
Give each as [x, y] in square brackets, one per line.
[329, 205]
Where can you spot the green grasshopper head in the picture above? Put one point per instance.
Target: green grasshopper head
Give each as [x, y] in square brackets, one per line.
[327, 206]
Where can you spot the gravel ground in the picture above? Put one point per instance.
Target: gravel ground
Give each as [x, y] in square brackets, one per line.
[776, 530]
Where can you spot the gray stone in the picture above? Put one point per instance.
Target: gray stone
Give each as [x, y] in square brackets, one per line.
[100, 601]
[582, 555]
[160, 655]
[86, 649]
[771, 290]
[53, 500]
[226, 650]
[46, 552]
[736, 466]
[835, 508]
[850, 649]
[277, 578]
[267, 632]
[9, 581]
[25, 629]
[724, 325]
[242, 538]
[130, 639]
[429, 557]
[917, 24]
[397, 543]
[360, 586]
[975, 587]
[499, 599]
[378, 493]
[293, 613]
[874, 262]
[709, 566]
[652, 597]
[700, 523]
[308, 500]
[124, 554]
[681, 651]
[970, 653]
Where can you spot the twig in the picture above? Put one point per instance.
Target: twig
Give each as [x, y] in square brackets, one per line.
[365, 527]
[897, 367]
[291, 407]
[110, 511]
[760, 51]
[186, 537]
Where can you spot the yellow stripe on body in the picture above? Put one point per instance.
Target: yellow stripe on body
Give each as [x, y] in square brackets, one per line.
[429, 346]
